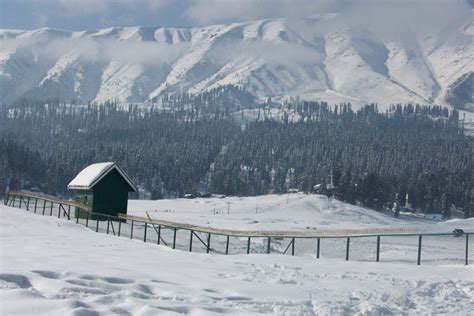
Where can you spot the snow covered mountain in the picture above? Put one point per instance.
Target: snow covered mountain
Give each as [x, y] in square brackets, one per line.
[312, 58]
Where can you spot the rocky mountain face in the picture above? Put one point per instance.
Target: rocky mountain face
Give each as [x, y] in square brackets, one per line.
[279, 58]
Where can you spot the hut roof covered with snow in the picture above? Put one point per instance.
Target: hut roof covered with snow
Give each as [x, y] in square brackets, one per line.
[91, 175]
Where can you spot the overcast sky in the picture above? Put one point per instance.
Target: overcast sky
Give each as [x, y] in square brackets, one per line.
[93, 14]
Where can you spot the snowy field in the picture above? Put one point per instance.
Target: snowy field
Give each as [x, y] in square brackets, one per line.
[51, 266]
[308, 214]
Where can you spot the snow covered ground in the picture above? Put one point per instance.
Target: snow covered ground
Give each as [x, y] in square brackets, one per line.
[308, 212]
[55, 267]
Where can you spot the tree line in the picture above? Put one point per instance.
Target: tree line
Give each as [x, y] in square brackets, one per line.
[189, 146]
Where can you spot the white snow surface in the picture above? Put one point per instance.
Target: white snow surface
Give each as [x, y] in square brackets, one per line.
[89, 175]
[55, 267]
[309, 57]
[285, 212]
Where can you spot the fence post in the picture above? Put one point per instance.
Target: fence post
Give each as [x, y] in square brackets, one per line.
[248, 245]
[120, 227]
[227, 245]
[418, 262]
[268, 244]
[467, 249]
[36, 203]
[318, 247]
[293, 246]
[59, 210]
[174, 238]
[131, 231]
[51, 209]
[13, 201]
[347, 248]
[69, 212]
[159, 234]
[191, 241]
[44, 206]
[21, 199]
[378, 249]
[78, 213]
[28, 204]
[144, 232]
[97, 225]
[108, 226]
[87, 219]
[208, 242]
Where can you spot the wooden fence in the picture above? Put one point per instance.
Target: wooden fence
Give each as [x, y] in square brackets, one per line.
[44, 205]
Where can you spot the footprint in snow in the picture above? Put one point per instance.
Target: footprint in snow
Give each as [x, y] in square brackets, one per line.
[15, 280]
[47, 274]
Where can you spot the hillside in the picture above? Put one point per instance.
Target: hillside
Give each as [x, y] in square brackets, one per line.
[307, 212]
[375, 158]
[53, 266]
[316, 58]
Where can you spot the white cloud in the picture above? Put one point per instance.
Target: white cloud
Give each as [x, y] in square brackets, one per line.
[396, 18]
[386, 18]
[84, 7]
[146, 53]
[217, 11]
[99, 13]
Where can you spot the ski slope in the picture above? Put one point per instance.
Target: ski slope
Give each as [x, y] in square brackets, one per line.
[55, 267]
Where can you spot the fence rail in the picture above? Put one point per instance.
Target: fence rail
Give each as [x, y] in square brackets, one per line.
[379, 245]
[387, 231]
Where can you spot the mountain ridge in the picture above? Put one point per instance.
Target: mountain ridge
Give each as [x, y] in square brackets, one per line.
[313, 58]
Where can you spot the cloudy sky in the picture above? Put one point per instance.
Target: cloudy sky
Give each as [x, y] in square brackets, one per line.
[93, 14]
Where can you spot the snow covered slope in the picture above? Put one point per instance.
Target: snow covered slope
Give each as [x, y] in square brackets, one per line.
[313, 58]
[284, 212]
[55, 267]
[304, 214]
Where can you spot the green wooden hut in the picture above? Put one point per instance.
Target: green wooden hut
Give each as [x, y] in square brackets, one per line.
[104, 188]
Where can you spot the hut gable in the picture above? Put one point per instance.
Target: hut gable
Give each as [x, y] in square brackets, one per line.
[93, 174]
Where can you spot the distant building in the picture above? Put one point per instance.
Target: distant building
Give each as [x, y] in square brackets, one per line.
[104, 188]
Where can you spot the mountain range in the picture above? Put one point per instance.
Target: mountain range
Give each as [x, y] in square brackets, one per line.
[311, 58]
